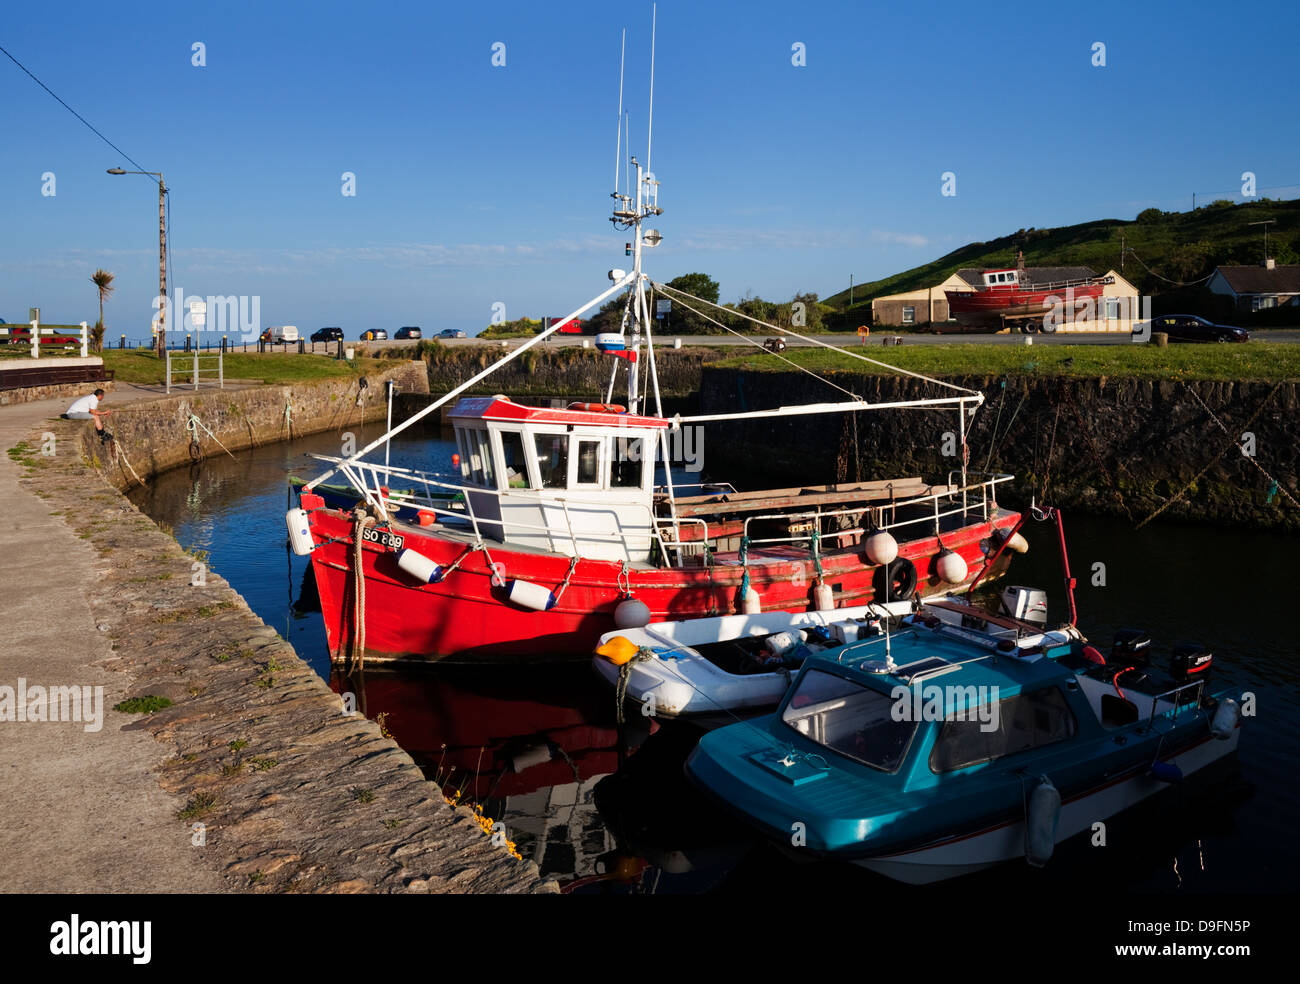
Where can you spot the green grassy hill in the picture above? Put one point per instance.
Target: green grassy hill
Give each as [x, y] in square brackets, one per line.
[1176, 246]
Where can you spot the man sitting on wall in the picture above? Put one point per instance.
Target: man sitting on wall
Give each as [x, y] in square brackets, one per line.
[87, 408]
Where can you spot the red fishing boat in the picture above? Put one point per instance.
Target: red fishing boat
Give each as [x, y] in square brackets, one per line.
[561, 527]
[1016, 295]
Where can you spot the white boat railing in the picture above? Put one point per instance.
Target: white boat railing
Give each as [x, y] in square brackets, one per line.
[357, 473]
[987, 501]
[375, 480]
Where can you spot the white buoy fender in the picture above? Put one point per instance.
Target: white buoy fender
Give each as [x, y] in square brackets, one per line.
[419, 566]
[781, 643]
[880, 547]
[631, 613]
[299, 532]
[525, 594]
[1040, 823]
[1016, 542]
[951, 567]
[750, 604]
[1225, 719]
[823, 598]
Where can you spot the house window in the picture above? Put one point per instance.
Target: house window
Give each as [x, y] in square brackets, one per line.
[553, 460]
[909, 315]
[1112, 308]
[1258, 303]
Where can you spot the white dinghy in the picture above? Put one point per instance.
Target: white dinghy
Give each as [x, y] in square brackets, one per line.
[728, 663]
[711, 669]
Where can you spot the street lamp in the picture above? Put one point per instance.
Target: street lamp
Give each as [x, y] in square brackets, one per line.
[162, 255]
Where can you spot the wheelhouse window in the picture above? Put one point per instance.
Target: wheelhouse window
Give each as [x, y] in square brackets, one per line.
[475, 456]
[1025, 721]
[513, 459]
[627, 470]
[483, 473]
[588, 470]
[849, 719]
[553, 460]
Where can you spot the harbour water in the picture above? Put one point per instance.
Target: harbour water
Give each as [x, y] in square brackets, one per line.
[605, 808]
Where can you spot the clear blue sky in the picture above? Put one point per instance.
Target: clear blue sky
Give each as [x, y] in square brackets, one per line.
[478, 184]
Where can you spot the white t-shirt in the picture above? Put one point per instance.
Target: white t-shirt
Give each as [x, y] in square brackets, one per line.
[85, 404]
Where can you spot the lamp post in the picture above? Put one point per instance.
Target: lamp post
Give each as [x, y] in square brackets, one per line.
[161, 342]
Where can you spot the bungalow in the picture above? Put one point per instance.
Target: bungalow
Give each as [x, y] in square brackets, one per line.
[1115, 311]
[1256, 288]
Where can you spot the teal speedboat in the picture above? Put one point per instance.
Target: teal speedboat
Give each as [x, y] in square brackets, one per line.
[963, 740]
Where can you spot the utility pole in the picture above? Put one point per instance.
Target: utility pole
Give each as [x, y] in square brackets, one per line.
[1265, 223]
[162, 267]
[1122, 252]
[160, 342]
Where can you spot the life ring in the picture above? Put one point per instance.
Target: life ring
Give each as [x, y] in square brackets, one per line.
[598, 407]
[897, 579]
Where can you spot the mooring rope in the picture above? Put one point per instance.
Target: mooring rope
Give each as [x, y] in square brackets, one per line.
[120, 456]
[1276, 487]
[360, 521]
[1232, 443]
[620, 691]
[193, 424]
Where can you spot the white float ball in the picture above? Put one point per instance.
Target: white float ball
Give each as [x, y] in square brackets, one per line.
[951, 567]
[631, 614]
[881, 547]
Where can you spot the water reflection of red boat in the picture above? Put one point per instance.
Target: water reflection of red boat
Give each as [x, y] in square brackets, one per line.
[527, 746]
[494, 734]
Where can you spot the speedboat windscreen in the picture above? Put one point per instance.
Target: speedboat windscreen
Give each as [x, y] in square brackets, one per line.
[849, 719]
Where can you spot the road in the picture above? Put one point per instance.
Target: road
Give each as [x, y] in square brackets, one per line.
[844, 340]
[847, 340]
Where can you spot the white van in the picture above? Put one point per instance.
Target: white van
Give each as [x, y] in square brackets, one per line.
[283, 334]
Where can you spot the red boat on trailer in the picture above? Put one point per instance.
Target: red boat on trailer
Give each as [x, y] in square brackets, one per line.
[1006, 293]
[557, 532]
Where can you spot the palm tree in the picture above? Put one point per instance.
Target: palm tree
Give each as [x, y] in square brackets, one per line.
[103, 281]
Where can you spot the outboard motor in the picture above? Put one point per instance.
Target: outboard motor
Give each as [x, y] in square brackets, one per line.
[1190, 661]
[1132, 647]
[1026, 604]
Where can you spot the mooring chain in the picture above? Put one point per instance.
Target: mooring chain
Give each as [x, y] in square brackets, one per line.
[559, 592]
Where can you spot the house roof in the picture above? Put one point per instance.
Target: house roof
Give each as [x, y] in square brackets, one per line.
[1258, 280]
[1033, 275]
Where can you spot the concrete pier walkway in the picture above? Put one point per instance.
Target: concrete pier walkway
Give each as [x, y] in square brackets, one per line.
[254, 779]
[83, 811]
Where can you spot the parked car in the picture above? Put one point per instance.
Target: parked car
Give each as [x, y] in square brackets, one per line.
[374, 335]
[408, 331]
[280, 334]
[451, 333]
[331, 334]
[1191, 328]
[22, 335]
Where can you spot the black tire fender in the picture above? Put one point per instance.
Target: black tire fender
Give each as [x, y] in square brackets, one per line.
[897, 579]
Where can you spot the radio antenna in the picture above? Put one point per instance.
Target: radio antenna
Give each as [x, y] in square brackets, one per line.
[618, 141]
[650, 128]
